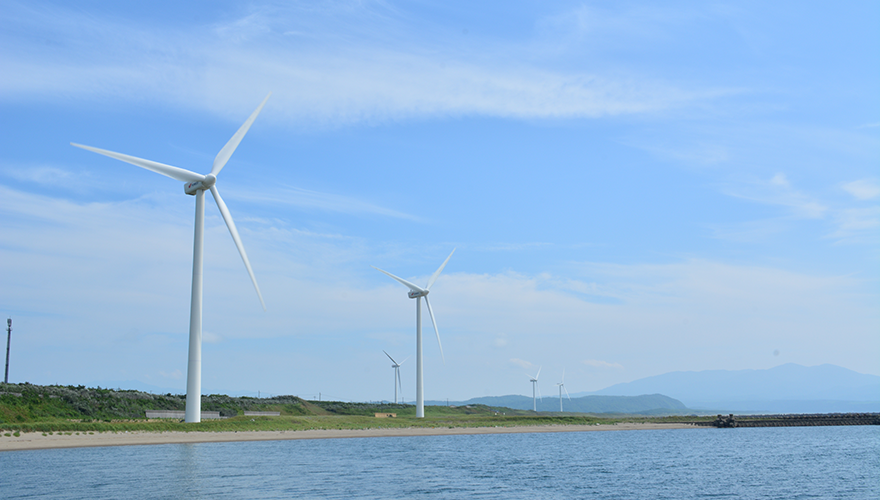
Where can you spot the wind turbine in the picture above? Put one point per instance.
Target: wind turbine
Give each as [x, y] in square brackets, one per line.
[534, 381]
[196, 185]
[562, 388]
[396, 367]
[417, 292]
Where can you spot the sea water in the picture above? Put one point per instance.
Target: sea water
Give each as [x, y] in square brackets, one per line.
[759, 463]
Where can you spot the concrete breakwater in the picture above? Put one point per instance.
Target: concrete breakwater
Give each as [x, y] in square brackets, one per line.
[798, 420]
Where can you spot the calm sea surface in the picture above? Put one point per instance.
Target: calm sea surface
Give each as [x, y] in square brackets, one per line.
[783, 463]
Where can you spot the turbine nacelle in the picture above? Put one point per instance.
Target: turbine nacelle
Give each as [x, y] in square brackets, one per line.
[414, 294]
[191, 188]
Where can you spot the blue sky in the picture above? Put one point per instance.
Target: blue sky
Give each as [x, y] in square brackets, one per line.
[632, 189]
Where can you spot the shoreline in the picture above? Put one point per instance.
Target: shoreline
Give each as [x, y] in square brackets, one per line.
[37, 441]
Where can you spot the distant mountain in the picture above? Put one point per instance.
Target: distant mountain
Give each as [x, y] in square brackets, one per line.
[787, 388]
[645, 404]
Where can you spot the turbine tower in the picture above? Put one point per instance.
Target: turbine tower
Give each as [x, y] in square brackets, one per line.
[196, 185]
[396, 367]
[416, 292]
[562, 388]
[534, 381]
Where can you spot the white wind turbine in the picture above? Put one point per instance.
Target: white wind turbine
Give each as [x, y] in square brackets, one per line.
[562, 388]
[396, 367]
[417, 292]
[534, 381]
[196, 185]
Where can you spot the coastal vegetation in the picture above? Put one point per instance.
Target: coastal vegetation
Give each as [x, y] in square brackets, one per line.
[78, 409]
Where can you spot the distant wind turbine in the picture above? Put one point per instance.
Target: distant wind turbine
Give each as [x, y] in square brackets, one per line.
[396, 367]
[562, 388]
[196, 185]
[416, 292]
[534, 381]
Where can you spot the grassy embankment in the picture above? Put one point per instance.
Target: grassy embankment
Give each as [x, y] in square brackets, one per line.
[70, 409]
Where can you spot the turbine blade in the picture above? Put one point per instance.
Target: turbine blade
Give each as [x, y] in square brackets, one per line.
[405, 282]
[175, 173]
[404, 361]
[428, 303]
[539, 373]
[438, 271]
[225, 153]
[234, 232]
[389, 357]
[399, 385]
[566, 392]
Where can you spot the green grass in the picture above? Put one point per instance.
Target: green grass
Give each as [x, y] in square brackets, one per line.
[299, 423]
[69, 409]
[433, 419]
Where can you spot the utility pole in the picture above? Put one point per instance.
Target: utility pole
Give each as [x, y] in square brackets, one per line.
[8, 340]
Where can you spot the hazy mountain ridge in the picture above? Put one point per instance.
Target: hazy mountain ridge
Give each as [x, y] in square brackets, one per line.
[643, 403]
[785, 388]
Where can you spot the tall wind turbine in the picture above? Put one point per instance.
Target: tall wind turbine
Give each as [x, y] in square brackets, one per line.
[534, 381]
[396, 367]
[196, 185]
[416, 292]
[562, 388]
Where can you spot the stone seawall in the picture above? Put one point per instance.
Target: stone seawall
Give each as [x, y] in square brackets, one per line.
[799, 420]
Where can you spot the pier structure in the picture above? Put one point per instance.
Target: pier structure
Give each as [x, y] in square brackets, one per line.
[793, 420]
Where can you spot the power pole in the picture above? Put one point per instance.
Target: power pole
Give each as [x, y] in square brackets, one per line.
[8, 340]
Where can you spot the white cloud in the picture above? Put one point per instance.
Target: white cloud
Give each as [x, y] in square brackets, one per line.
[46, 175]
[704, 153]
[133, 260]
[852, 225]
[778, 190]
[856, 225]
[863, 189]
[521, 363]
[303, 198]
[211, 338]
[358, 78]
[595, 363]
[750, 231]
[780, 180]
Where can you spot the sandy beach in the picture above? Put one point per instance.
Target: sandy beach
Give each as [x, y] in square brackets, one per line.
[37, 441]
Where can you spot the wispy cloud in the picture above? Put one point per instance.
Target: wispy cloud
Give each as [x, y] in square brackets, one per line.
[512, 247]
[851, 224]
[595, 363]
[778, 191]
[702, 154]
[341, 80]
[211, 337]
[314, 200]
[857, 225]
[752, 231]
[133, 258]
[45, 175]
[521, 363]
[863, 189]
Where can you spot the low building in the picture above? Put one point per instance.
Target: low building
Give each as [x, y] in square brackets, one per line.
[180, 415]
